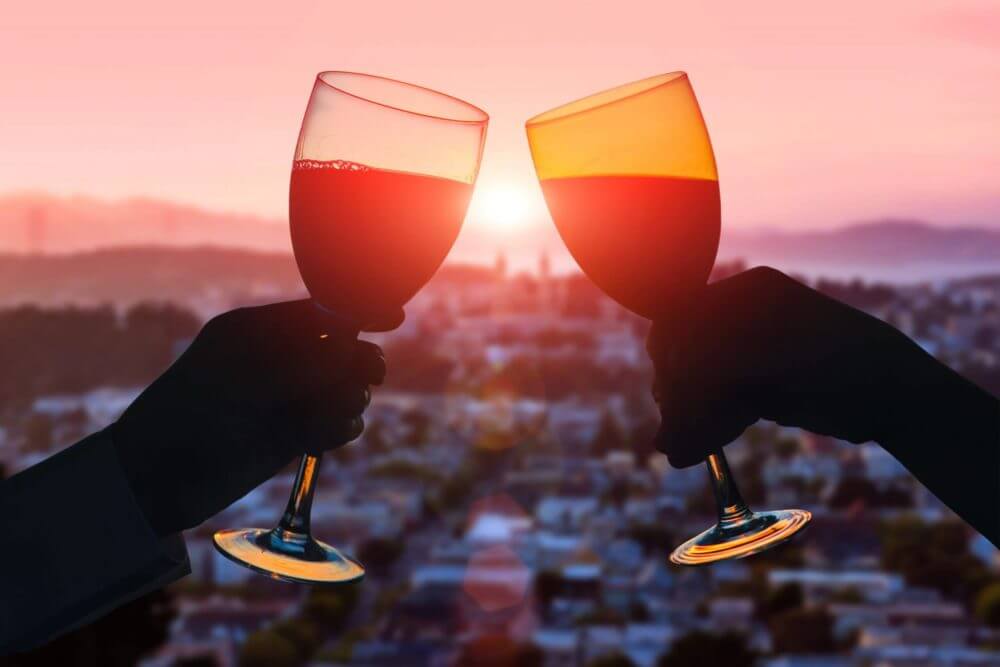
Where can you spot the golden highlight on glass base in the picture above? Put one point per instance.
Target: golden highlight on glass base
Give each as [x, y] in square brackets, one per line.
[314, 563]
[761, 531]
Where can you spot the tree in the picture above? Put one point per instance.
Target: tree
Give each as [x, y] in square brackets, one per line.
[583, 299]
[404, 469]
[302, 633]
[785, 597]
[641, 439]
[752, 486]
[548, 584]
[699, 649]
[374, 438]
[600, 616]
[499, 651]
[329, 608]
[378, 554]
[638, 612]
[418, 425]
[197, 661]
[151, 333]
[609, 437]
[616, 494]
[988, 605]
[933, 556]
[786, 448]
[38, 432]
[803, 631]
[415, 366]
[72, 349]
[612, 660]
[267, 648]
[120, 639]
[985, 338]
[653, 537]
[852, 490]
[701, 502]
[456, 489]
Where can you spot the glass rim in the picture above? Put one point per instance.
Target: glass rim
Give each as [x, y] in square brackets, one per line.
[560, 112]
[478, 116]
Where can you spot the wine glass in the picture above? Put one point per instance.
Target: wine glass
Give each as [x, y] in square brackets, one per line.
[630, 180]
[381, 180]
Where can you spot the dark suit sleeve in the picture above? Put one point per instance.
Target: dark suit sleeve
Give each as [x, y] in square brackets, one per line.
[947, 434]
[74, 545]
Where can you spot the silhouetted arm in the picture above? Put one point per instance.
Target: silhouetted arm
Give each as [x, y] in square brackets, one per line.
[946, 431]
[98, 524]
[760, 345]
[74, 544]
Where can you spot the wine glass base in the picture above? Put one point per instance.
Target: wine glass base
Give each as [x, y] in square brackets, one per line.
[287, 556]
[761, 531]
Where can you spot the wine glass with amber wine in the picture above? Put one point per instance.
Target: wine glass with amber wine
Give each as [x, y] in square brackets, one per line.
[381, 180]
[630, 180]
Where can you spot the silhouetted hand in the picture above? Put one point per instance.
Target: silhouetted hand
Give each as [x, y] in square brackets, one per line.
[761, 345]
[256, 387]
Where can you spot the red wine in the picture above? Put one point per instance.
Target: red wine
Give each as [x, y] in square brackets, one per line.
[366, 240]
[646, 241]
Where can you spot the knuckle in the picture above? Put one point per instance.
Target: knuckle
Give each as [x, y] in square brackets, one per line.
[229, 320]
[218, 322]
[766, 275]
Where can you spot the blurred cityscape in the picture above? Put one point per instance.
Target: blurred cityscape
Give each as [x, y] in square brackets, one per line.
[509, 507]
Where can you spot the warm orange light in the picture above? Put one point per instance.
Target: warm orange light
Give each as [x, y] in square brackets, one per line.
[651, 127]
[500, 205]
[629, 178]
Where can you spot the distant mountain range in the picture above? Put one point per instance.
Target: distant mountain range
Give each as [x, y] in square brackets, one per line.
[206, 279]
[888, 249]
[875, 242]
[36, 223]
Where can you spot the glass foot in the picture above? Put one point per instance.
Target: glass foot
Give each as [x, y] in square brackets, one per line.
[287, 556]
[760, 531]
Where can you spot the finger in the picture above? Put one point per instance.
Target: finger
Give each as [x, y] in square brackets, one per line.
[690, 430]
[330, 378]
[319, 363]
[327, 432]
[686, 447]
[368, 363]
[352, 402]
[347, 431]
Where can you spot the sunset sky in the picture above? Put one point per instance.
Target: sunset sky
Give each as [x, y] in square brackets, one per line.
[820, 113]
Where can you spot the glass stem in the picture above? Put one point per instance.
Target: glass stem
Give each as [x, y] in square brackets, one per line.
[732, 509]
[295, 520]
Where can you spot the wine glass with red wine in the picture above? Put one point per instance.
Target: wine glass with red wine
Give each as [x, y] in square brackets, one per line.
[381, 180]
[630, 180]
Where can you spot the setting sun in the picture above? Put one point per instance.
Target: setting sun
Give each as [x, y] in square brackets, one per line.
[500, 205]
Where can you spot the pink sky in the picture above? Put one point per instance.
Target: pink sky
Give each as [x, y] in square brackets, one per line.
[820, 113]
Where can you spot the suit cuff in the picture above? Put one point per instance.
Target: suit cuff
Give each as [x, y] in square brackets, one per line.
[76, 545]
